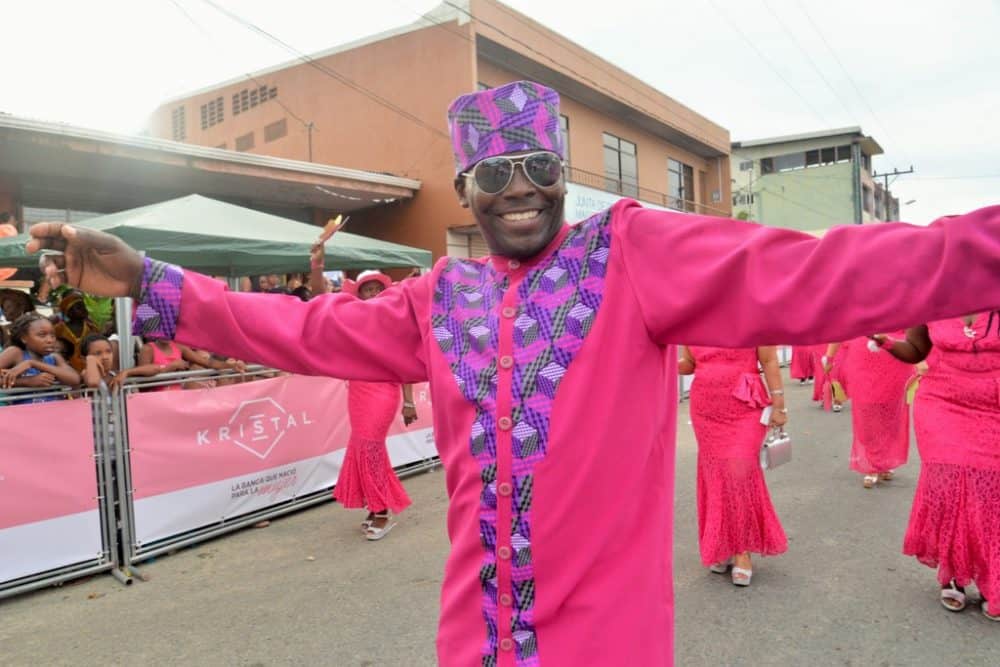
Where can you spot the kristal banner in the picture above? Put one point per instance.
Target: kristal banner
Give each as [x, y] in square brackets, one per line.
[202, 456]
[48, 488]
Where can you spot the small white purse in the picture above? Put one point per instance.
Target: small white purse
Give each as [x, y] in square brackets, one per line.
[776, 450]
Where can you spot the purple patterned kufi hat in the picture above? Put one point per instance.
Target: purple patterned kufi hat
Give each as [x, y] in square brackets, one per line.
[519, 116]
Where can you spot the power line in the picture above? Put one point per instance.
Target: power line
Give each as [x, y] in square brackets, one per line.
[805, 53]
[767, 62]
[251, 77]
[851, 80]
[692, 132]
[325, 69]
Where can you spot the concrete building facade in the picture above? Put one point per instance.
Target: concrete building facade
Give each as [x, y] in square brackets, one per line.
[810, 181]
[379, 105]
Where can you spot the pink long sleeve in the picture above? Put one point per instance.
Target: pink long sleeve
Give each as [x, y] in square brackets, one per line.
[335, 335]
[710, 281]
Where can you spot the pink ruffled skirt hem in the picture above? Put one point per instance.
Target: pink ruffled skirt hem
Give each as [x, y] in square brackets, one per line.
[955, 525]
[735, 513]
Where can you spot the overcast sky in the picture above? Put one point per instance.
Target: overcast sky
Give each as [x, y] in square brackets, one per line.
[921, 77]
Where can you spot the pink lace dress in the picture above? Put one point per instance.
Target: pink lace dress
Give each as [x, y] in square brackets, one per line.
[823, 387]
[879, 412]
[955, 520]
[805, 361]
[367, 478]
[735, 513]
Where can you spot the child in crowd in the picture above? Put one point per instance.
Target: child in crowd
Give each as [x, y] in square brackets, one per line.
[173, 357]
[32, 360]
[101, 365]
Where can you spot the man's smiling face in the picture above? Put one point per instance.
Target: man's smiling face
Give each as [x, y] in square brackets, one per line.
[520, 220]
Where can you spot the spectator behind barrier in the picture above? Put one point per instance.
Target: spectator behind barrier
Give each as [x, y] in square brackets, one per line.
[32, 361]
[101, 364]
[171, 357]
[76, 326]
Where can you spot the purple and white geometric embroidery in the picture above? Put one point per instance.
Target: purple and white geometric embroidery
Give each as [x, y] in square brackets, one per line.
[558, 302]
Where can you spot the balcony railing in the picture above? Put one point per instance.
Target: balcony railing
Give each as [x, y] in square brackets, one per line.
[627, 189]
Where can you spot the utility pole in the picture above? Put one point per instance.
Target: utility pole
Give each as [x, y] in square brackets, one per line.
[885, 181]
[895, 172]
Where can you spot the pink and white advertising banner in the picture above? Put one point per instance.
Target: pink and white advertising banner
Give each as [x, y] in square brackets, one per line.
[202, 456]
[49, 514]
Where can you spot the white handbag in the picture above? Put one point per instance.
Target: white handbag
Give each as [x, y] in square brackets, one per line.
[776, 450]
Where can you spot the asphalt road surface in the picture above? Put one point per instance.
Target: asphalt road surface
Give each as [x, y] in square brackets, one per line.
[309, 590]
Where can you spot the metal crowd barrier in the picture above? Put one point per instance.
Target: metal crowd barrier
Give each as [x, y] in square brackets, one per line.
[134, 549]
[45, 522]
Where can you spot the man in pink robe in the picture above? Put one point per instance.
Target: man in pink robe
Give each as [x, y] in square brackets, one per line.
[552, 368]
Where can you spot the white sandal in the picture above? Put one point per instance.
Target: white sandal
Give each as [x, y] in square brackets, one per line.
[721, 568]
[886, 476]
[374, 534]
[987, 614]
[869, 481]
[741, 577]
[956, 594]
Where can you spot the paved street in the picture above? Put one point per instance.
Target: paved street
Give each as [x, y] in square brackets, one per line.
[842, 595]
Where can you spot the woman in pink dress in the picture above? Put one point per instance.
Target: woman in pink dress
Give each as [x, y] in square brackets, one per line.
[366, 478]
[831, 378]
[955, 519]
[735, 514]
[805, 362]
[880, 415]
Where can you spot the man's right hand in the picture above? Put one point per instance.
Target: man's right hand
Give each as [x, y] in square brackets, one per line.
[92, 261]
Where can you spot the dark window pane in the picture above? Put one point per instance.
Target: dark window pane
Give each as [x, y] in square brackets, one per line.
[812, 158]
[829, 156]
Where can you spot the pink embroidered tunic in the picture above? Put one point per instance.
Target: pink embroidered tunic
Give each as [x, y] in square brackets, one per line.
[806, 361]
[880, 416]
[955, 520]
[735, 513]
[554, 390]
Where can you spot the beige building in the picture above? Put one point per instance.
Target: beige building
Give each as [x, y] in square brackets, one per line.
[379, 105]
[810, 181]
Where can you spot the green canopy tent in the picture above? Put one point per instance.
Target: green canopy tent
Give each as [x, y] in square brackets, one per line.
[221, 239]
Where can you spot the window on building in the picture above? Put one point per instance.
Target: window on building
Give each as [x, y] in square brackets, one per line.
[178, 124]
[621, 167]
[249, 98]
[790, 162]
[742, 199]
[866, 161]
[844, 153]
[828, 156]
[564, 131]
[276, 130]
[211, 113]
[867, 198]
[767, 165]
[680, 186]
[244, 142]
[746, 165]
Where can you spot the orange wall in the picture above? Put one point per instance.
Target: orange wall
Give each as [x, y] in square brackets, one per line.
[420, 72]
[586, 129]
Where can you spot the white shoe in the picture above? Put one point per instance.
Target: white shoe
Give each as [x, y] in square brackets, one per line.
[741, 577]
[869, 481]
[721, 568]
[374, 534]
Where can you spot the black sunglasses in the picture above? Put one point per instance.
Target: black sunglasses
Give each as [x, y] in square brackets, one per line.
[494, 174]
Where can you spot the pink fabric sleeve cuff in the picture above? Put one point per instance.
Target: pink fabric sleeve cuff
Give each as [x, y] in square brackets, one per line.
[159, 306]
